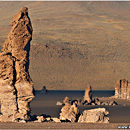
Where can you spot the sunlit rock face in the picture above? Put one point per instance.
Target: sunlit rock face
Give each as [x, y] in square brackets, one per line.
[122, 89]
[16, 86]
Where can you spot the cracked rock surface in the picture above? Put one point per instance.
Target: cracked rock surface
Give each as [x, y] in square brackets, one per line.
[16, 86]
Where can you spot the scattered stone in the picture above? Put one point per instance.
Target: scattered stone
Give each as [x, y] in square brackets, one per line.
[56, 120]
[93, 104]
[44, 90]
[98, 103]
[69, 112]
[86, 103]
[40, 119]
[16, 86]
[88, 94]
[48, 118]
[67, 100]
[22, 121]
[97, 115]
[112, 103]
[59, 103]
[96, 99]
[106, 103]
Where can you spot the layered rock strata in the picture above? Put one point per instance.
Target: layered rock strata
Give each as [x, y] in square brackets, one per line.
[16, 86]
[122, 89]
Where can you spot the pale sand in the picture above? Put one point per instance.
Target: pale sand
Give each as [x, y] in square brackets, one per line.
[46, 125]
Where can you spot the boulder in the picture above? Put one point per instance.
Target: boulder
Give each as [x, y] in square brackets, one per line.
[69, 112]
[97, 115]
[88, 94]
[67, 100]
[48, 119]
[56, 120]
[96, 99]
[93, 104]
[59, 103]
[40, 119]
[80, 102]
[74, 101]
[112, 103]
[22, 121]
[98, 103]
[16, 86]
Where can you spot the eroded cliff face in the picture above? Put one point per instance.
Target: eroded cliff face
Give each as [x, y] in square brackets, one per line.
[16, 86]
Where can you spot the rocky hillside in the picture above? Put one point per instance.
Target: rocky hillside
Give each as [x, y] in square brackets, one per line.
[75, 43]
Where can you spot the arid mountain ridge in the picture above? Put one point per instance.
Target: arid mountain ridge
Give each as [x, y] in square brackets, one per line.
[75, 44]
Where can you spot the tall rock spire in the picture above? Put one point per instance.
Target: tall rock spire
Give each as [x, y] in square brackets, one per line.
[16, 86]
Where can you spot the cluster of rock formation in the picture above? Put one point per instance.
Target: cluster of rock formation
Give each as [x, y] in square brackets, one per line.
[81, 102]
[71, 113]
[16, 86]
[122, 89]
[87, 100]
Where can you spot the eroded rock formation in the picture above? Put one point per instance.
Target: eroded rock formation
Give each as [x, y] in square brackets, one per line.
[98, 115]
[69, 112]
[122, 89]
[16, 86]
[88, 94]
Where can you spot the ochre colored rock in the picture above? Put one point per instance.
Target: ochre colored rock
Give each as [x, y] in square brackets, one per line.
[69, 112]
[122, 89]
[67, 100]
[88, 94]
[16, 86]
[97, 115]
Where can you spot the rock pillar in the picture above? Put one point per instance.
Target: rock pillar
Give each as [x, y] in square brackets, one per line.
[16, 86]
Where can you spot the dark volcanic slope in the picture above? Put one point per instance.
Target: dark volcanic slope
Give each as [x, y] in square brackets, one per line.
[75, 43]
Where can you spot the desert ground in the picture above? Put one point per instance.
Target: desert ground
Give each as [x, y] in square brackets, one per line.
[75, 44]
[60, 126]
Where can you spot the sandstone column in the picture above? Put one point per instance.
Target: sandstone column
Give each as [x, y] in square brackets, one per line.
[118, 89]
[16, 86]
[88, 94]
[128, 91]
[122, 89]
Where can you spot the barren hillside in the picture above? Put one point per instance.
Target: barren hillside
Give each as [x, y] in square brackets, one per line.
[75, 43]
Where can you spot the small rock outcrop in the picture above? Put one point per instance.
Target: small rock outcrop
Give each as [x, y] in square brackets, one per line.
[69, 112]
[55, 119]
[122, 89]
[16, 86]
[67, 100]
[97, 115]
[59, 103]
[88, 94]
[44, 90]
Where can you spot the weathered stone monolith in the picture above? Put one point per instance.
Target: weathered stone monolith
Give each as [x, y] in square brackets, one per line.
[122, 89]
[69, 112]
[16, 86]
[88, 94]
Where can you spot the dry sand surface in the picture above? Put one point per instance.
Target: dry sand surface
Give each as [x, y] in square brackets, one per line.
[75, 43]
[60, 126]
